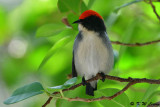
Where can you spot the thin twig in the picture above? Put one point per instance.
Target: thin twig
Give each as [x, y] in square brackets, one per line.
[154, 9]
[47, 102]
[103, 97]
[135, 44]
[131, 81]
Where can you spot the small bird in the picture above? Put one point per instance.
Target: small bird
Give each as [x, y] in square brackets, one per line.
[92, 50]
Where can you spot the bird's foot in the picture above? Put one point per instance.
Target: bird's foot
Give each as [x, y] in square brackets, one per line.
[84, 81]
[103, 76]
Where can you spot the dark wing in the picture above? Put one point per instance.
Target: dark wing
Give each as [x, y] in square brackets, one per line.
[74, 73]
[76, 42]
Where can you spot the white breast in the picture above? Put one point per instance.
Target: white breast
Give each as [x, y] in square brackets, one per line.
[92, 55]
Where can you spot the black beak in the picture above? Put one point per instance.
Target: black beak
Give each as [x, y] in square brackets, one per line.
[78, 21]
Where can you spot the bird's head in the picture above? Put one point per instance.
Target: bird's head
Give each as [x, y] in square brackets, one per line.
[92, 21]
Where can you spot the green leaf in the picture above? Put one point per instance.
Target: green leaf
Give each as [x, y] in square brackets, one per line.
[152, 95]
[50, 29]
[55, 88]
[120, 101]
[127, 4]
[83, 7]
[70, 82]
[58, 102]
[63, 6]
[64, 33]
[25, 92]
[111, 19]
[151, 89]
[67, 84]
[57, 46]
[128, 34]
[76, 6]
[71, 18]
[90, 3]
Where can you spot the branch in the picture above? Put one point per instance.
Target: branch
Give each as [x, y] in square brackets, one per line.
[103, 97]
[154, 9]
[135, 44]
[131, 81]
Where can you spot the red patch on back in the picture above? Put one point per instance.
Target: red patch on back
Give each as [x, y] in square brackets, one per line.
[88, 13]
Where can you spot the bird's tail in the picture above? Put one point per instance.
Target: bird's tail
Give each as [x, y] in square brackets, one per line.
[91, 87]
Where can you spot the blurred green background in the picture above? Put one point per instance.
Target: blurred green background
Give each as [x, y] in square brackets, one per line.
[29, 30]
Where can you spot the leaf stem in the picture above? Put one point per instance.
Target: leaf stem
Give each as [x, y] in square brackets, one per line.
[61, 93]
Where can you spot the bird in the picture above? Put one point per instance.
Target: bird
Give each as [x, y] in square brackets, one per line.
[92, 50]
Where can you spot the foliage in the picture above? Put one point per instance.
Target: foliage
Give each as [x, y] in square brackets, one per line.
[66, 85]
[32, 36]
[25, 92]
[35, 89]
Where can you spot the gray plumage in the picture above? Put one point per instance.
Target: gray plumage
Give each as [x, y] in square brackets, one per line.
[92, 54]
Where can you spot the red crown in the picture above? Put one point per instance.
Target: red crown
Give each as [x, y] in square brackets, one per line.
[88, 13]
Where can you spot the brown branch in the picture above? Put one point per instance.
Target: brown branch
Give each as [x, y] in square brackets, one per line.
[103, 97]
[134, 81]
[135, 44]
[131, 81]
[154, 9]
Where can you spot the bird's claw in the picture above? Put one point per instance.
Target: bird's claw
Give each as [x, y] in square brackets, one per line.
[103, 76]
[84, 81]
